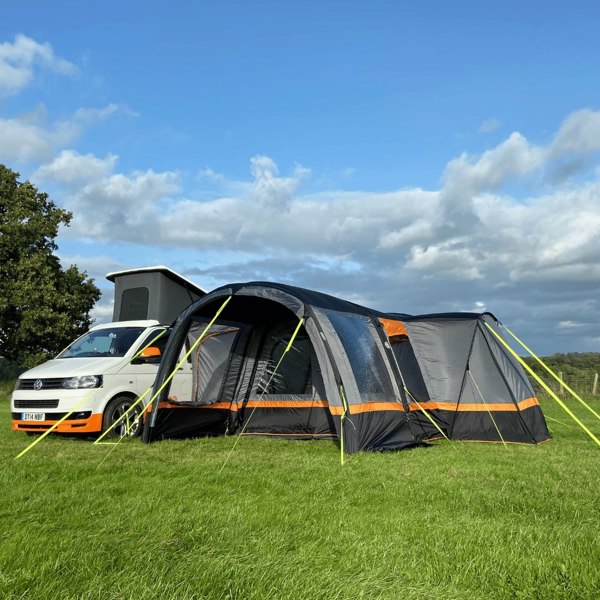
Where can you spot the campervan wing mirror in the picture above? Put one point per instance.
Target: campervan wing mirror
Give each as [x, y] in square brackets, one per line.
[151, 354]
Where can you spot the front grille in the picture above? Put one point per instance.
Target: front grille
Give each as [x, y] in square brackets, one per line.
[54, 383]
[36, 403]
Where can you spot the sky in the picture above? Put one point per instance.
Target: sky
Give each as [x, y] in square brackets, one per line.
[415, 157]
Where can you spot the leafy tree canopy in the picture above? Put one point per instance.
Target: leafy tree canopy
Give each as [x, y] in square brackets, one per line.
[43, 307]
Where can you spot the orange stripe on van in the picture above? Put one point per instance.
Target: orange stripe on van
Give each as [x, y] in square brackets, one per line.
[393, 327]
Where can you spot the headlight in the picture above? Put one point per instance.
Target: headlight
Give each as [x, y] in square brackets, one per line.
[86, 381]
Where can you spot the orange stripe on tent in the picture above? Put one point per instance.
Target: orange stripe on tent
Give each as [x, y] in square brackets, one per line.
[450, 406]
[365, 407]
[393, 327]
[478, 407]
[254, 404]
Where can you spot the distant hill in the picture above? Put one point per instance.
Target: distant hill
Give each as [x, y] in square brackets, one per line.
[578, 370]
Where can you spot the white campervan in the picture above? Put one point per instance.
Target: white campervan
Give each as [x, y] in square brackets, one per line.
[100, 375]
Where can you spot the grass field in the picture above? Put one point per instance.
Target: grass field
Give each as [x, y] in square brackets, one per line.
[285, 520]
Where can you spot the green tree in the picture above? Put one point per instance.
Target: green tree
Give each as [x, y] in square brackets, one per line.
[42, 306]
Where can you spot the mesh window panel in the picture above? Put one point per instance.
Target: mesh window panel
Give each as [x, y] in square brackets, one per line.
[358, 338]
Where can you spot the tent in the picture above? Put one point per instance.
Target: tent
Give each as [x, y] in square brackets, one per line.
[455, 368]
[277, 360]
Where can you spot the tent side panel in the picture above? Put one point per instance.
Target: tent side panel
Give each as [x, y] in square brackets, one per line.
[376, 418]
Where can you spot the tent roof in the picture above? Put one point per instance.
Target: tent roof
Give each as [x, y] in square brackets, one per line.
[309, 297]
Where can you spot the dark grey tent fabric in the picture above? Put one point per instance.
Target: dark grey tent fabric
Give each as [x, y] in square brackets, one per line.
[342, 384]
[380, 381]
[474, 386]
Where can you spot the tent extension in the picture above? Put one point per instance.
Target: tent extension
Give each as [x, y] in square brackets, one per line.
[371, 380]
[456, 369]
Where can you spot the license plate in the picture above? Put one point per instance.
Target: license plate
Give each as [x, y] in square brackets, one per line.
[33, 416]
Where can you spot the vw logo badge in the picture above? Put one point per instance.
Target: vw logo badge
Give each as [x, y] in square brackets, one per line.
[37, 385]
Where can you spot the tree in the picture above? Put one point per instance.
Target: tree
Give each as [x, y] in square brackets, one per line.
[42, 306]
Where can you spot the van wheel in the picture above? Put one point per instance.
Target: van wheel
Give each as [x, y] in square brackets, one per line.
[128, 426]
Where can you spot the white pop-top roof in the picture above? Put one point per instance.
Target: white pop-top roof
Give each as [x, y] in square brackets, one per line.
[156, 269]
[144, 323]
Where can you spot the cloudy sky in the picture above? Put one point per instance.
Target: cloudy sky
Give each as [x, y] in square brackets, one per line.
[415, 157]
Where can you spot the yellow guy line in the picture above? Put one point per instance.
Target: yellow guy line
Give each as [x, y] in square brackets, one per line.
[543, 384]
[426, 413]
[88, 397]
[300, 323]
[553, 374]
[49, 431]
[168, 379]
[342, 419]
[487, 407]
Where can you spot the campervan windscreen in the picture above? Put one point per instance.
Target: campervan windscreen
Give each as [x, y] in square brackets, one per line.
[109, 342]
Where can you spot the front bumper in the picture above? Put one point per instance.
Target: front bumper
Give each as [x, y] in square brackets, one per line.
[84, 411]
[78, 422]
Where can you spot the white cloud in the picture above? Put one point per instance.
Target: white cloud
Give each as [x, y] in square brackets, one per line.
[29, 138]
[70, 167]
[469, 245]
[270, 190]
[489, 125]
[19, 59]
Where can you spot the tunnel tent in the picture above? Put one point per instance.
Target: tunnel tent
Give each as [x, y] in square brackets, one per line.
[456, 369]
[337, 379]
[372, 380]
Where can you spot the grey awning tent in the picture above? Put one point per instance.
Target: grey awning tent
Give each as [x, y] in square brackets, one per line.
[354, 374]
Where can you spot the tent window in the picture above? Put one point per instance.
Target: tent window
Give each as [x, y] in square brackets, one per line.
[368, 366]
[209, 360]
[295, 373]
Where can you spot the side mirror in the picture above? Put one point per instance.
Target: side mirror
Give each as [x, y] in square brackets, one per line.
[150, 352]
[149, 355]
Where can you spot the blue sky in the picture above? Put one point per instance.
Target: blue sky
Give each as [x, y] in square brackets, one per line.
[416, 157]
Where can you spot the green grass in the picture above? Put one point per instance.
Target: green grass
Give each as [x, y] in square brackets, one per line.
[285, 520]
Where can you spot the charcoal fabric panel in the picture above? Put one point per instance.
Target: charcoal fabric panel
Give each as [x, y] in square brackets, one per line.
[409, 368]
[441, 347]
[380, 430]
[478, 426]
[184, 422]
[293, 421]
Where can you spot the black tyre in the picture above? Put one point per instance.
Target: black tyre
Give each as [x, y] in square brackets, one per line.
[127, 426]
